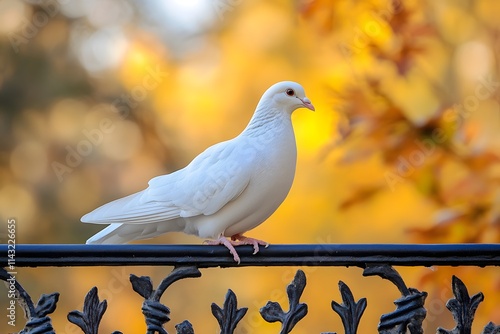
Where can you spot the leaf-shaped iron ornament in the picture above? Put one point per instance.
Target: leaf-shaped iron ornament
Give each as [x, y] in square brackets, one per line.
[39, 322]
[491, 328]
[38, 319]
[93, 310]
[155, 313]
[273, 312]
[349, 311]
[184, 327]
[410, 311]
[228, 316]
[463, 307]
[142, 285]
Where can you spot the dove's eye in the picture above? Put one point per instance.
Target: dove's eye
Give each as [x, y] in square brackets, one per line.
[290, 92]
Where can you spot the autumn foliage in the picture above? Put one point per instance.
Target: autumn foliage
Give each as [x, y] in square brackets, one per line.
[98, 98]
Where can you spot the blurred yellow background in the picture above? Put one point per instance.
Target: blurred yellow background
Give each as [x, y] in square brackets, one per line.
[97, 97]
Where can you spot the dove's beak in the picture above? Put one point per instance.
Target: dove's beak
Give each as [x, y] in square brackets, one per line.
[307, 103]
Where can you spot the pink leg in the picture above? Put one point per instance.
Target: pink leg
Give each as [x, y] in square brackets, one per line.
[237, 240]
[249, 241]
[229, 245]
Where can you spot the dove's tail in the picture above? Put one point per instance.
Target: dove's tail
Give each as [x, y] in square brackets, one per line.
[110, 235]
[133, 218]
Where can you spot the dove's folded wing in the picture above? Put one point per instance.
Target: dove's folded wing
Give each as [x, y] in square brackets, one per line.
[210, 181]
[213, 179]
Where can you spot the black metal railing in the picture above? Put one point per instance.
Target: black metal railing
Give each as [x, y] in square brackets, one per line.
[375, 259]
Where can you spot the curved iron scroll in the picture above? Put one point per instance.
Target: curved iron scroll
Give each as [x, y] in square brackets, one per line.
[410, 311]
[157, 314]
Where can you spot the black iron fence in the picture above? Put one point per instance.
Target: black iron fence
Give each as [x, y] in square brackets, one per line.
[187, 260]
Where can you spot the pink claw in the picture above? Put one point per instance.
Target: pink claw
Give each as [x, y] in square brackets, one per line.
[237, 240]
[229, 245]
[249, 241]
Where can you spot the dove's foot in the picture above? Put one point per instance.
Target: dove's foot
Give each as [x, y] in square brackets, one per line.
[240, 239]
[229, 245]
[237, 240]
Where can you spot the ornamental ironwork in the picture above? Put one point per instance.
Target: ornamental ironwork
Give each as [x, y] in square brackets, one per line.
[376, 260]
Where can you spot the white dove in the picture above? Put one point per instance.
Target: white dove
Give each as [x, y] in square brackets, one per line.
[228, 189]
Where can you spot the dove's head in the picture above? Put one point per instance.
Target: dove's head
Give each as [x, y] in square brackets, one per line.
[288, 95]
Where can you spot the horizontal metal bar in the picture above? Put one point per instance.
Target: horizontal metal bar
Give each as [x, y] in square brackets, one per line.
[37, 255]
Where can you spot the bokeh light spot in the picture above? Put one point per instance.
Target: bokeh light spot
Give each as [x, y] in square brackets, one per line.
[28, 161]
[123, 141]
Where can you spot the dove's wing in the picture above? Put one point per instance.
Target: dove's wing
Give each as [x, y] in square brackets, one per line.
[210, 181]
[214, 178]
